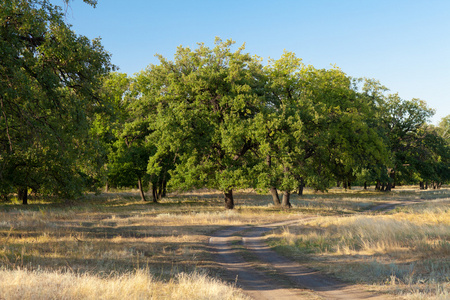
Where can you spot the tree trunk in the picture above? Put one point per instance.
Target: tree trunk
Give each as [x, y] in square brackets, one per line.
[426, 185]
[365, 185]
[378, 186]
[154, 193]
[229, 201]
[392, 183]
[345, 184]
[106, 187]
[275, 197]
[273, 189]
[300, 187]
[388, 187]
[19, 193]
[160, 189]
[421, 185]
[286, 203]
[164, 186]
[22, 194]
[141, 191]
[300, 190]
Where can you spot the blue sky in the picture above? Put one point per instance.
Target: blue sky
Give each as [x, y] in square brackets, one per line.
[405, 44]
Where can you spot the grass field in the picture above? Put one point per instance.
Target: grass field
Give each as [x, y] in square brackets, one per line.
[115, 246]
[405, 251]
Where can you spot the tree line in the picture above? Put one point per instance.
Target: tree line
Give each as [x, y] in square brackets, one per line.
[211, 117]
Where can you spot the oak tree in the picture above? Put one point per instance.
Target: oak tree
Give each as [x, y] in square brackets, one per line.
[49, 78]
[202, 105]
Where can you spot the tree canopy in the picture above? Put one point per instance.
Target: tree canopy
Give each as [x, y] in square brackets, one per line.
[221, 119]
[49, 78]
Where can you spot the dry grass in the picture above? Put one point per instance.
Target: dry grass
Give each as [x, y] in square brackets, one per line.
[163, 246]
[24, 285]
[111, 241]
[114, 244]
[406, 251]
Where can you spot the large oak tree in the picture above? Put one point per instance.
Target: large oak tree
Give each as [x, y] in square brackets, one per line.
[200, 108]
[48, 82]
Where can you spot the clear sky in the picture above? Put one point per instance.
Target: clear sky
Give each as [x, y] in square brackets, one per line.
[405, 44]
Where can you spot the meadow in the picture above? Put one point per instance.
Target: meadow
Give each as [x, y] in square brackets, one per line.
[113, 246]
[405, 251]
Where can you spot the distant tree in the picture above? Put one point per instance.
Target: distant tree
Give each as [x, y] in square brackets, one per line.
[429, 158]
[128, 164]
[402, 121]
[351, 141]
[444, 128]
[49, 78]
[146, 99]
[124, 133]
[108, 124]
[374, 166]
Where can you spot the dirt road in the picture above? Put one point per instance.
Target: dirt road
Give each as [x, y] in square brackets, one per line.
[256, 284]
[297, 281]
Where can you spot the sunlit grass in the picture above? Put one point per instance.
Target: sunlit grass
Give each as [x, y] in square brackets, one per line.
[116, 233]
[71, 250]
[109, 238]
[27, 285]
[406, 251]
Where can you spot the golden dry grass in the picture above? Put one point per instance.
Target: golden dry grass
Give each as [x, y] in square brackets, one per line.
[36, 285]
[406, 251]
[114, 243]
[164, 245]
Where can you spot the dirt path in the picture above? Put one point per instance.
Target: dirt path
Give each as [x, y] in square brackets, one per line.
[259, 285]
[255, 283]
[303, 282]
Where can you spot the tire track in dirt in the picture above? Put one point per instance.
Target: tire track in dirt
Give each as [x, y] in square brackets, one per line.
[299, 275]
[258, 285]
[255, 283]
